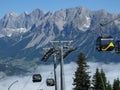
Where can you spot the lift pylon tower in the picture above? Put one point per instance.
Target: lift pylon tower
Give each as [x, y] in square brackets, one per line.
[46, 56]
[58, 48]
[55, 66]
[61, 49]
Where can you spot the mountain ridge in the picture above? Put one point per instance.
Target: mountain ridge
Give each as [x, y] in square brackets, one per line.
[24, 35]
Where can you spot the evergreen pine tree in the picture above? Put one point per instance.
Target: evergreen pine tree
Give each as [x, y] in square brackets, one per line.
[103, 79]
[97, 83]
[82, 78]
[116, 84]
[108, 86]
[99, 80]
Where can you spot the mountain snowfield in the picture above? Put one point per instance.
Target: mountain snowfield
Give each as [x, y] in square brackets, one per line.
[23, 37]
[10, 31]
[45, 23]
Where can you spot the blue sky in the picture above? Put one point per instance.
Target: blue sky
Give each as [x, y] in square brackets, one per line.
[19, 6]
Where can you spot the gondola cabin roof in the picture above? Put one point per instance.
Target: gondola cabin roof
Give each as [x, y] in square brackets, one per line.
[105, 43]
[50, 82]
[37, 78]
[105, 38]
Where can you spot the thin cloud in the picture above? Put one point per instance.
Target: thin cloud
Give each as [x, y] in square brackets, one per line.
[112, 71]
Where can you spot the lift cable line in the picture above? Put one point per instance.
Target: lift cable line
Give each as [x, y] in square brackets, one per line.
[44, 81]
[51, 52]
[105, 43]
[40, 84]
[110, 45]
[104, 24]
[27, 81]
[101, 25]
[29, 77]
[57, 48]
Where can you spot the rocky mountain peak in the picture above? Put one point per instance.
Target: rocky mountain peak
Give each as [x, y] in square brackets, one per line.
[11, 14]
[34, 30]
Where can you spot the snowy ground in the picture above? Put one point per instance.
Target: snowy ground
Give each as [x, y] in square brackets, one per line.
[25, 83]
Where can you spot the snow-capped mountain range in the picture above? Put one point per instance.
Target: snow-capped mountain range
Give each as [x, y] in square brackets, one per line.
[26, 34]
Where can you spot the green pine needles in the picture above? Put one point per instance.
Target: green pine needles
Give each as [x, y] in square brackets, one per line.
[83, 81]
[82, 77]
